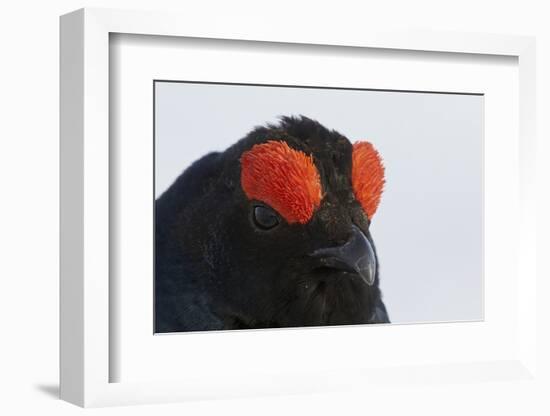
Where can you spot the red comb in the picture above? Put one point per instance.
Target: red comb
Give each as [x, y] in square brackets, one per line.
[284, 178]
[367, 176]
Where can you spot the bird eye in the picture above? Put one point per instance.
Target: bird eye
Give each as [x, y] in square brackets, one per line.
[265, 218]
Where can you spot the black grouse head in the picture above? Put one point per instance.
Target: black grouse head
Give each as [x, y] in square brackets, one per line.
[273, 232]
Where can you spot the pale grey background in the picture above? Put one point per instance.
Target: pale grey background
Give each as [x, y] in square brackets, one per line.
[428, 228]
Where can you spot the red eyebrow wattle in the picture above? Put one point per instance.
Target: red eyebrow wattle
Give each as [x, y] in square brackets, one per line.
[284, 178]
[367, 176]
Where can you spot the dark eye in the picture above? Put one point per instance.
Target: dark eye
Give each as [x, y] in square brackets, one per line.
[265, 218]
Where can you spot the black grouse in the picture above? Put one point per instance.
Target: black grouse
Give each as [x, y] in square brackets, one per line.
[272, 232]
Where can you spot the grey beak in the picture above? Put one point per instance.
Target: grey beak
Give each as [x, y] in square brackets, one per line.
[356, 255]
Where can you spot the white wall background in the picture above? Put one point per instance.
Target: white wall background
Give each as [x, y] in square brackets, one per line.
[431, 212]
[29, 209]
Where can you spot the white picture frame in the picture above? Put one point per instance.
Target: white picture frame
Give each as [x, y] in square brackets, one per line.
[85, 221]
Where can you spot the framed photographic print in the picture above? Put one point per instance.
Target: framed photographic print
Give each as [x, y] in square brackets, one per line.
[261, 214]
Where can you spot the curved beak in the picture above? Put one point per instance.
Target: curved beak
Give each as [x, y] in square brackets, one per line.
[356, 255]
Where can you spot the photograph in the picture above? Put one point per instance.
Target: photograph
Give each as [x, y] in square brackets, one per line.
[282, 206]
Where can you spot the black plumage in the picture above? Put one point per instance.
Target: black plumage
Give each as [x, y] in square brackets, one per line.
[220, 263]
